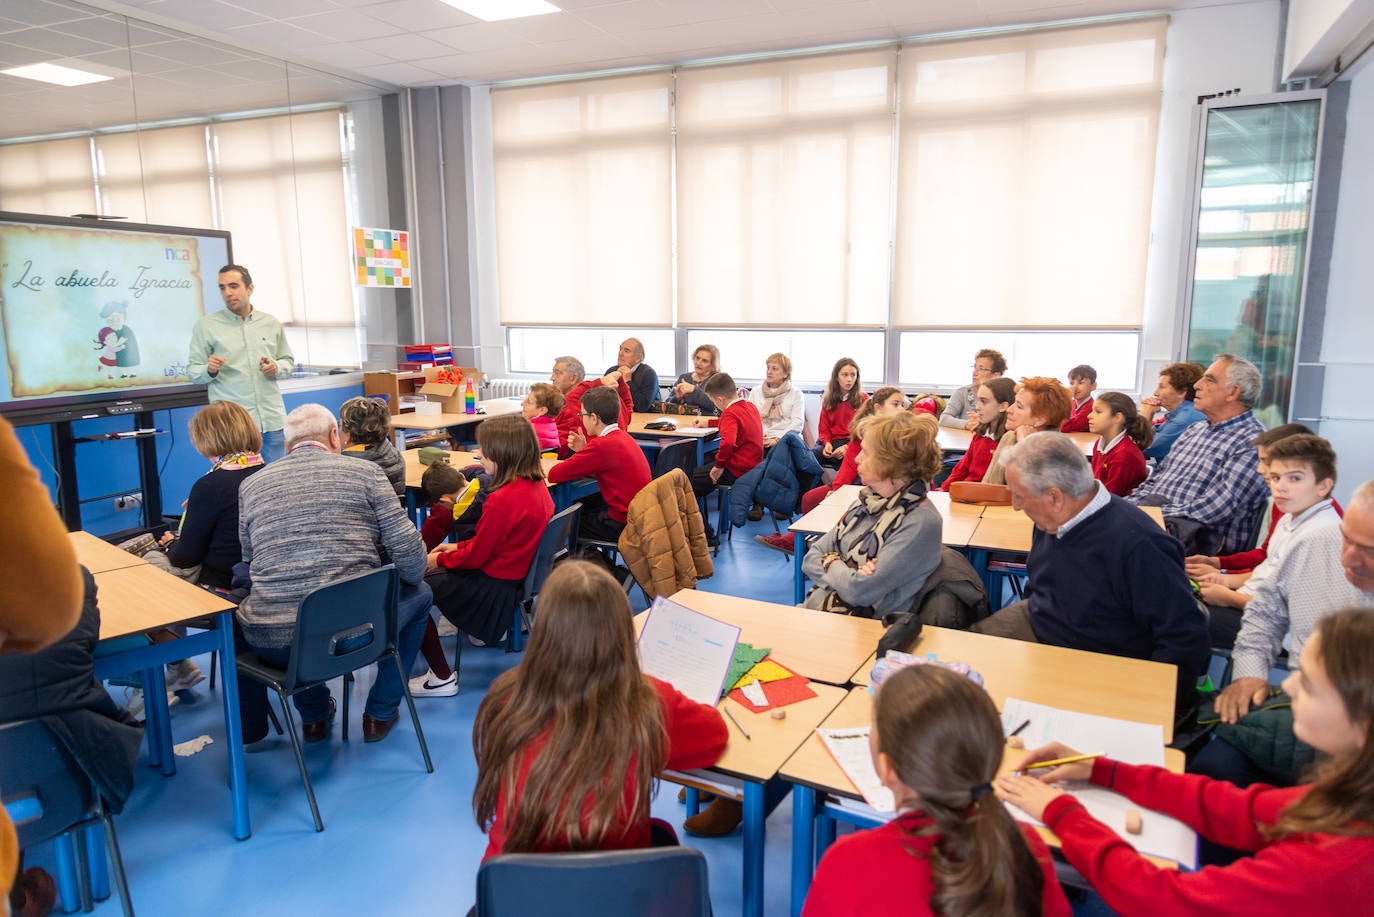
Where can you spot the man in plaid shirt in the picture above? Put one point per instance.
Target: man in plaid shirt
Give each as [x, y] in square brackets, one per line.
[1211, 476]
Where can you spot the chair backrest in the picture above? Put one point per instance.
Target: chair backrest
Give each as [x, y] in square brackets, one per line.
[654, 882]
[343, 626]
[675, 453]
[559, 539]
[46, 793]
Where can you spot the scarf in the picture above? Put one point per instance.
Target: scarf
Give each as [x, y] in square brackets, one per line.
[772, 402]
[890, 512]
[236, 461]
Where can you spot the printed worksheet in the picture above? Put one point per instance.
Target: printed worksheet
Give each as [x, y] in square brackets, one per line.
[689, 650]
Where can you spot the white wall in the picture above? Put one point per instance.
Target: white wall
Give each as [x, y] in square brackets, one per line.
[1318, 30]
[1347, 351]
[1207, 50]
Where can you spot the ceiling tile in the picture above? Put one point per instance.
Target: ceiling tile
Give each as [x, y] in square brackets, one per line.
[42, 12]
[554, 28]
[208, 14]
[266, 36]
[401, 74]
[638, 15]
[486, 36]
[405, 47]
[345, 55]
[344, 25]
[418, 15]
[55, 44]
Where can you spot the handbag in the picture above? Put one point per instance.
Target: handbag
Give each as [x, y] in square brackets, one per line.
[980, 493]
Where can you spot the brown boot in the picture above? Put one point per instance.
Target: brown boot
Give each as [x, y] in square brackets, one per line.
[718, 819]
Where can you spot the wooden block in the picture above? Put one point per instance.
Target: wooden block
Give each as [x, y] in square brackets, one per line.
[778, 713]
[1134, 823]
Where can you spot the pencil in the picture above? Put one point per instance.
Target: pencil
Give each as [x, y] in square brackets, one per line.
[1017, 730]
[736, 722]
[1058, 761]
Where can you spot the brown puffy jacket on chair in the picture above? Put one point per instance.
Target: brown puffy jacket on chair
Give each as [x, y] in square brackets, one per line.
[664, 542]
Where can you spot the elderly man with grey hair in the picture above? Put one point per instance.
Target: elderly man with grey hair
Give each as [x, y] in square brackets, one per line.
[567, 377]
[1206, 485]
[309, 519]
[1101, 575]
[643, 381]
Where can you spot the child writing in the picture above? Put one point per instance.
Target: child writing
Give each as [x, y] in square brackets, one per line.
[1082, 378]
[741, 438]
[1123, 433]
[477, 583]
[1301, 473]
[843, 397]
[570, 742]
[953, 849]
[540, 407]
[1312, 844]
[990, 406]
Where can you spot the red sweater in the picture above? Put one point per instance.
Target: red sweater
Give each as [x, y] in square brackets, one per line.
[508, 532]
[1308, 874]
[849, 465]
[1249, 560]
[437, 525]
[570, 418]
[1078, 420]
[696, 738]
[884, 871]
[1122, 469]
[617, 463]
[741, 438]
[975, 462]
[834, 424]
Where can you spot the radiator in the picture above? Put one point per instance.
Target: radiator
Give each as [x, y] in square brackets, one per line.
[507, 388]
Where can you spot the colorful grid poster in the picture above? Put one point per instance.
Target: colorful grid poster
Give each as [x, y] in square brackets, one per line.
[381, 257]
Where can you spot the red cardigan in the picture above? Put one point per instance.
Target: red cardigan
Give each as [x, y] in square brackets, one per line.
[570, 418]
[741, 437]
[617, 463]
[1078, 420]
[884, 871]
[508, 532]
[975, 462]
[696, 738]
[1308, 874]
[834, 424]
[1123, 469]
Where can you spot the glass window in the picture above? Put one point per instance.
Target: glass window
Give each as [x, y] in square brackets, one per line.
[944, 359]
[813, 353]
[533, 350]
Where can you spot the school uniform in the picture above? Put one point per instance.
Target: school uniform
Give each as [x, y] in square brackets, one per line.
[570, 418]
[621, 472]
[477, 586]
[833, 428]
[740, 448]
[1121, 466]
[1078, 419]
[975, 462]
[696, 738]
[886, 871]
[1299, 874]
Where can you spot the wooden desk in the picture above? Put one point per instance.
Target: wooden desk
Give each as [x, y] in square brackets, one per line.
[959, 522]
[752, 765]
[650, 440]
[139, 598]
[98, 555]
[952, 440]
[459, 459]
[493, 407]
[1069, 679]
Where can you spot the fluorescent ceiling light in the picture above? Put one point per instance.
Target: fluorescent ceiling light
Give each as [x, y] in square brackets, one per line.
[56, 73]
[496, 10]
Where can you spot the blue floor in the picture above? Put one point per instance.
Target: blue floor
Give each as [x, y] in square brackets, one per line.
[396, 840]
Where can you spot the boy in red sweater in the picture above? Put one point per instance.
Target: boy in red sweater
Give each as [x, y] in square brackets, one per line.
[1082, 380]
[608, 454]
[567, 377]
[741, 438]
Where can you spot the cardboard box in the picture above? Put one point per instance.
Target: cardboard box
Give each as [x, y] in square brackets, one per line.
[449, 395]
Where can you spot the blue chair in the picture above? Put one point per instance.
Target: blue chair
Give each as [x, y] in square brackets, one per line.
[341, 627]
[654, 882]
[48, 796]
[558, 541]
[675, 453]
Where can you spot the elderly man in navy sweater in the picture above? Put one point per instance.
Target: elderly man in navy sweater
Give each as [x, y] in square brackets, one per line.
[1102, 576]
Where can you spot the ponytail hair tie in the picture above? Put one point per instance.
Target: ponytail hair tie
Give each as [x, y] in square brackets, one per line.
[980, 791]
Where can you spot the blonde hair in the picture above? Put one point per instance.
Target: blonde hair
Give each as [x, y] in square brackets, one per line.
[224, 428]
[900, 445]
[782, 360]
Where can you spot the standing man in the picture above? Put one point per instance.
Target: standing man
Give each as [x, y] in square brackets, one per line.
[959, 410]
[1206, 485]
[241, 353]
[641, 376]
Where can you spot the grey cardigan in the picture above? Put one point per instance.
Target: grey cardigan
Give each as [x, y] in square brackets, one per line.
[910, 554]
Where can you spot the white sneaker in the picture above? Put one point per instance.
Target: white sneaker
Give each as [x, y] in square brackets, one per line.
[427, 685]
[445, 627]
[183, 676]
[133, 701]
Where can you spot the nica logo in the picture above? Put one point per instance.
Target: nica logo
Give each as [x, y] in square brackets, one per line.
[176, 254]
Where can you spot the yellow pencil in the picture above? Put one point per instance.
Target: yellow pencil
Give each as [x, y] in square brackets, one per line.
[1058, 761]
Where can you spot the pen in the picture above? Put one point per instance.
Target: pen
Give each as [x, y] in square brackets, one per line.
[736, 722]
[1058, 761]
[1017, 730]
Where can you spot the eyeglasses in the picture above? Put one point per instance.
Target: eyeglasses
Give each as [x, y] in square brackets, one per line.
[981, 369]
[585, 414]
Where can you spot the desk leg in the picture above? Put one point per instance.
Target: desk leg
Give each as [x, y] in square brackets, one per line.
[233, 728]
[413, 507]
[96, 861]
[155, 712]
[803, 844]
[798, 578]
[755, 811]
[693, 801]
[68, 874]
[825, 833]
[978, 558]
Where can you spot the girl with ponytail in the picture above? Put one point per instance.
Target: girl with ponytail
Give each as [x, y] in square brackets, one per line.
[1312, 844]
[1122, 435]
[953, 849]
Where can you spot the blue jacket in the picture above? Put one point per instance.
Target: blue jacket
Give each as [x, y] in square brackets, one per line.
[1177, 420]
[773, 482]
